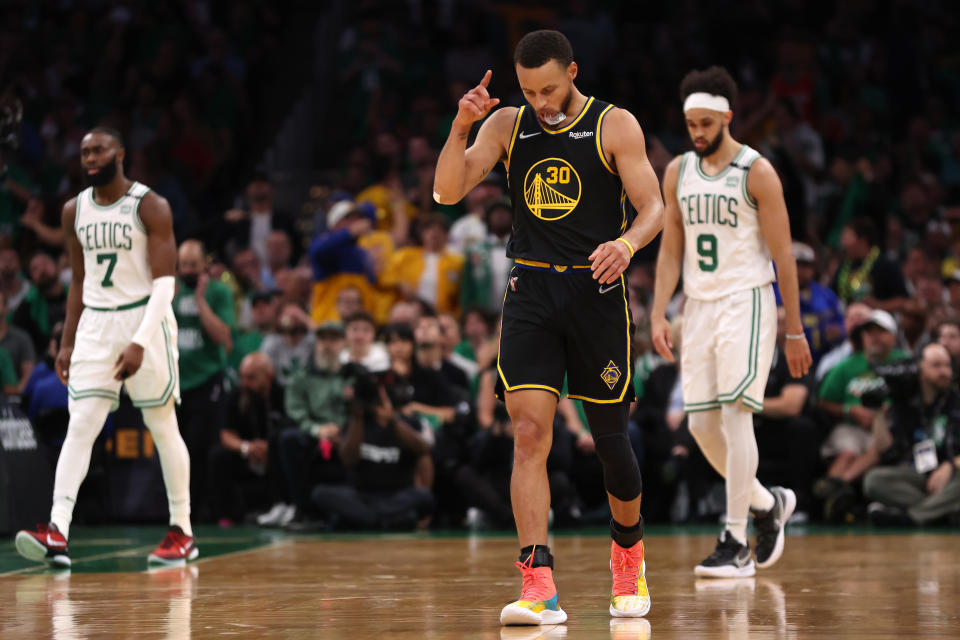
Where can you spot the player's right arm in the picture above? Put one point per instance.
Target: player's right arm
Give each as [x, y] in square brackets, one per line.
[669, 262]
[74, 295]
[460, 169]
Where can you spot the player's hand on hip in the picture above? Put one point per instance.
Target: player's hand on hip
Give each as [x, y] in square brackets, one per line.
[129, 361]
[476, 103]
[62, 364]
[609, 260]
[798, 357]
[662, 336]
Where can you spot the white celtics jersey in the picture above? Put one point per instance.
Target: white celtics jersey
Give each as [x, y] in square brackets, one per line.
[724, 249]
[115, 258]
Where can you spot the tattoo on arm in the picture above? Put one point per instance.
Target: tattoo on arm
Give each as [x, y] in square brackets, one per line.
[462, 136]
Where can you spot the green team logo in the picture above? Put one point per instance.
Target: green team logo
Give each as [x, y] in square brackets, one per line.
[126, 208]
[733, 181]
[551, 189]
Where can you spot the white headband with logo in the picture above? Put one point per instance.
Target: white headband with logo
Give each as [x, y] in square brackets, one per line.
[701, 100]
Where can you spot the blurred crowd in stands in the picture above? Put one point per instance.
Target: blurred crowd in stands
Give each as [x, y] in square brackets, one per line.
[343, 378]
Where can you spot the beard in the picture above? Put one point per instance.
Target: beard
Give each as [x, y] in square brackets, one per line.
[711, 148]
[328, 363]
[561, 115]
[104, 176]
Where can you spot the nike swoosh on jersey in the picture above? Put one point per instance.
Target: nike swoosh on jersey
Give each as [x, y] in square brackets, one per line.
[610, 288]
[523, 136]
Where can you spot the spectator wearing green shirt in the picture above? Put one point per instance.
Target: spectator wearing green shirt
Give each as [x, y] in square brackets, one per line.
[204, 309]
[18, 346]
[315, 401]
[850, 444]
[45, 303]
[264, 310]
[8, 376]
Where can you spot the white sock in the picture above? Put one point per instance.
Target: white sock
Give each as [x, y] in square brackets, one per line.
[87, 416]
[741, 466]
[174, 461]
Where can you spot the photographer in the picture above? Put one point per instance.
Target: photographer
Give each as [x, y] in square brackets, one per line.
[918, 437]
[380, 450]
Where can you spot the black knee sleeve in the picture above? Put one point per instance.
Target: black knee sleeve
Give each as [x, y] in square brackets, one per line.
[621, 473]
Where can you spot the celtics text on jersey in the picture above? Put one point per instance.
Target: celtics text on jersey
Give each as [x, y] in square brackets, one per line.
[115, 256]
[724, 248]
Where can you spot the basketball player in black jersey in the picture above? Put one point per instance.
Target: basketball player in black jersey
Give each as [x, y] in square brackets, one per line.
[571, 162]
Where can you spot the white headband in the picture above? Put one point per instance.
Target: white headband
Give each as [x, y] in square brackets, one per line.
[701, 100]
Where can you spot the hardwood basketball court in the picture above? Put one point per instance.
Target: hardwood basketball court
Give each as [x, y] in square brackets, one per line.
[250, 583]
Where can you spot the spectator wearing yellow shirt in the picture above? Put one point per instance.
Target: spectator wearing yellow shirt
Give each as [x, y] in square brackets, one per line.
[350, 255]
[428, 271]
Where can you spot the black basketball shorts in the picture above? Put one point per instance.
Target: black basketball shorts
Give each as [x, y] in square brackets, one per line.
[560, 321]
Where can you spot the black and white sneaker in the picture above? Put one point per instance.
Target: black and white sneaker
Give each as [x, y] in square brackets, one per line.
[770, 526]
[729, 560]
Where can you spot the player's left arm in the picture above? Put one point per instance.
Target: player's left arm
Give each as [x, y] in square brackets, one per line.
[623, 142]
[157, 220]
[764, 186]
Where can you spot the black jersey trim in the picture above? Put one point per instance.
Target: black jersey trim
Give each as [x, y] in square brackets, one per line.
[603, 157]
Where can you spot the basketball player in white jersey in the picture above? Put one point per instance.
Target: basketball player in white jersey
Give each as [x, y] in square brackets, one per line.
[724, 218]
[119, 330]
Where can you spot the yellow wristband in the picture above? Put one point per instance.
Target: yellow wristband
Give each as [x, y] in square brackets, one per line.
[629, 246]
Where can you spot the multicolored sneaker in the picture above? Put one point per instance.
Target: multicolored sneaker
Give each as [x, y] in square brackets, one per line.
[629, 598]
[46, 544]
[539, 602]
[175, 549]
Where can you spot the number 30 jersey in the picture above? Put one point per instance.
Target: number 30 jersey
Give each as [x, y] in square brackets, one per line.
[115, 257]
[724, 250]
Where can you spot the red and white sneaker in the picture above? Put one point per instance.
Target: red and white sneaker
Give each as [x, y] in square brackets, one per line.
[46, 544]
[175, 549]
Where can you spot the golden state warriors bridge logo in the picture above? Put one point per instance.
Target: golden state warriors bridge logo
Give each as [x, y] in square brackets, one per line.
[551, 189]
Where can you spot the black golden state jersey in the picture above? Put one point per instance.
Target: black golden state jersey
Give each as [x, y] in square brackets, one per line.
[567, 199]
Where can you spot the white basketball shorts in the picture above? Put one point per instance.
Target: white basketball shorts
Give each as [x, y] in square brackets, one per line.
[727, 348]
[102, 336]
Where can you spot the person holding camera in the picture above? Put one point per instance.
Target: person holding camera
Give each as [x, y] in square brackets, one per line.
[849, 446]
[380, 450]
[918, 437]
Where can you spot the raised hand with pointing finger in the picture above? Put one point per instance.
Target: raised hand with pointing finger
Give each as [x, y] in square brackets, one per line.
[476, 103]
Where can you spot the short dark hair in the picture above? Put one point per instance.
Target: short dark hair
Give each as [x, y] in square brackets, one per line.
[938, 330]
[537, 48]
[864, 228]
[110, 131]
[359, 316]
[400, 330]
[714, 80]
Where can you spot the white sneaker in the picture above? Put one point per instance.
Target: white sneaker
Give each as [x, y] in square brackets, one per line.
[272, 518]
[289, 513]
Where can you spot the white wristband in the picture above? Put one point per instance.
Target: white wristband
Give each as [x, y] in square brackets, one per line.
[796, 336]
[244, 448]
[160, 298]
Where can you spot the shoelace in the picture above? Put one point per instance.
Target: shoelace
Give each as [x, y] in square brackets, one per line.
[626, 568]
[537, 585]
